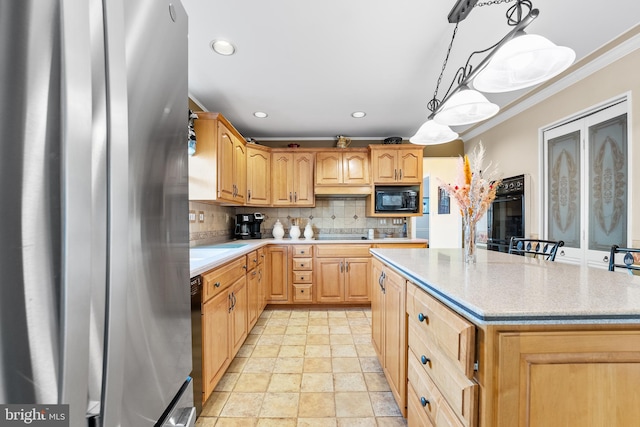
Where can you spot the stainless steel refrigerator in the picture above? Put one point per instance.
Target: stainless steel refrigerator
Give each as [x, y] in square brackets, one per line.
[94, 269]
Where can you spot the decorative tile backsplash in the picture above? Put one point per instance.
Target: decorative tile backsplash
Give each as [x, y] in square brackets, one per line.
[210, 224]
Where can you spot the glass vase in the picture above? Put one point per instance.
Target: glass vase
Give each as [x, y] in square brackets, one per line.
[470, 242]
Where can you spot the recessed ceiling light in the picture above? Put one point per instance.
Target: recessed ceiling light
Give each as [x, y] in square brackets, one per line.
[260, 114]
[358, 114]
[223, 47]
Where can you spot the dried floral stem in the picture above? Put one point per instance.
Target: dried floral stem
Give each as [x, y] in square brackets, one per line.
[475, 186]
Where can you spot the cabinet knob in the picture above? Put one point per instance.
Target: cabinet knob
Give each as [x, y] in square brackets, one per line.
[424, 401]
[301, 265]
[244, 266]
[217, 284]
[301, 277]
[424, 359]
[301, 252]
[421, 317]
[302, 291]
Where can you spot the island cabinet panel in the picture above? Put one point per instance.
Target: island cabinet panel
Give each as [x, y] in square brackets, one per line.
[568, 378]
[388, 328]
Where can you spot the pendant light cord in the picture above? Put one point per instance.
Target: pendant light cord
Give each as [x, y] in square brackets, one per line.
[434, 103]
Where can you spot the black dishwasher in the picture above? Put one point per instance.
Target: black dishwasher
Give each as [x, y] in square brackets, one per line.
[196, 341]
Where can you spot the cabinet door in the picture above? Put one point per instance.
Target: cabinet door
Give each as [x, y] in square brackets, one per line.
[262, 285]
[303, 194]
[278, 273]
[357, 279]
[572, 378]
[282, 179]
[355, 168]
[410, 166]
[258, 177]
[239, 170]
[254, 297]
[238, 292]
[384, 165]
[226, 149]
[395, 340]
[377, 313]
[329, 168]
[215, 341]
[330, 279]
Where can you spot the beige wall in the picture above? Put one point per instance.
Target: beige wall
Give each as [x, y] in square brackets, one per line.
[515, 144]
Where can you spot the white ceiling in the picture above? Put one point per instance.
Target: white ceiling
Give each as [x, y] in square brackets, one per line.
[310, 64]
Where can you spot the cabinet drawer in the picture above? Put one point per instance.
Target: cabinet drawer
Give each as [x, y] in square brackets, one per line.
[453, 334]
[303, 264]
[302, 277]
[459, 391]
[345, 250]
[302, 292]
[416, 414]
[302, 251]
[261, 255]
[252, 260]
[219, 279]
[436, 406]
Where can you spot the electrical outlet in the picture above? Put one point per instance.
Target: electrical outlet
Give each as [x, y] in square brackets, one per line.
[383, 221]
[192, 216]
[200, 216]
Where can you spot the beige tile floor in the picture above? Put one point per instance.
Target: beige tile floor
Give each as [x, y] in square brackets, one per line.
[305, 368]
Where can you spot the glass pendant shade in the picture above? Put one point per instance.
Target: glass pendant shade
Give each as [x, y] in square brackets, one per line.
[466, 107]
[432, 133]
[525, 60]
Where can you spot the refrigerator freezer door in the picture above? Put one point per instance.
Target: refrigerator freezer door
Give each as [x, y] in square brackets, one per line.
[45, 162]
[149, 343]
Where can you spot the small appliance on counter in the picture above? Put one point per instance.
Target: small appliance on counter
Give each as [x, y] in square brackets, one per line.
[248, 226]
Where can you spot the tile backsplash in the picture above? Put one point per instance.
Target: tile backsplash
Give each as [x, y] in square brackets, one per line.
[332, 216]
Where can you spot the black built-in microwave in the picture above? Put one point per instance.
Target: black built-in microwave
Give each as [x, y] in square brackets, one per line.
[397, 199]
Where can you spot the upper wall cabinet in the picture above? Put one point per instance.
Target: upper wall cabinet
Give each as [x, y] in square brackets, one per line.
[396, 164]
[339, 171]
[292, 178]
[258, 175]
[218, 169]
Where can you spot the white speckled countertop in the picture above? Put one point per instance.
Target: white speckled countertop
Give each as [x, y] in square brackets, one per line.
[510, 289]
[204, 258]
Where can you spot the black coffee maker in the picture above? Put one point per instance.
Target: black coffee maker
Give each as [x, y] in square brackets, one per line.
[248, 226]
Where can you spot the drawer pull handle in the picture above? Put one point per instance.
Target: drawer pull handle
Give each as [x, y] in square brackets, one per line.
[301, 252]
[301, 277]
[302, 291]
[424, 359]
[421, 317]
[424, 401]
[301, 265]
[217, 284]
[244, 266]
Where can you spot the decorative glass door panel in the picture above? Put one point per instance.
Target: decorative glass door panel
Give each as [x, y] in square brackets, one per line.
[608, 186]
[586, 185]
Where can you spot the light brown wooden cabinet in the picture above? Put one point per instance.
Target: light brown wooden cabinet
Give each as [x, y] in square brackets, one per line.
[302, 273]
[292, 178]
[343, 171]
[343, 273]
[389, 335]
[224, 320]
[396, 164]
[217, 171]
[277, 272]
[258, 175]
[441, 360]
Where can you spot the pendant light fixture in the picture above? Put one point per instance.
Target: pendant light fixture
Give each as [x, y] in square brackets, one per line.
[517, 61]
[431, 133]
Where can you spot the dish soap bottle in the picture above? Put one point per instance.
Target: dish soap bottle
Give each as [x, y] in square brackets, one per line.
[278, 230]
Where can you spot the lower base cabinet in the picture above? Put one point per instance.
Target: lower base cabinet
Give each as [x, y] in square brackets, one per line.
[277, 269]
[224, 320]
[389, 326]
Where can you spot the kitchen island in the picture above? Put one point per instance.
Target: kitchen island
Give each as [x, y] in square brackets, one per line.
[512, 341]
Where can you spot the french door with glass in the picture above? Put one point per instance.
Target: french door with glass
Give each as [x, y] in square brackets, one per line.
[586, 185]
